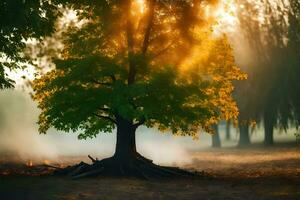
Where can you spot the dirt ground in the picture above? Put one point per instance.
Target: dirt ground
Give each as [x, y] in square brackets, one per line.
[250, 173]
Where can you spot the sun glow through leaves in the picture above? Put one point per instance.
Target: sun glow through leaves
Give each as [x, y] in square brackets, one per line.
[224, 15]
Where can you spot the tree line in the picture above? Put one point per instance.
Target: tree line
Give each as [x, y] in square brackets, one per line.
[270, 95]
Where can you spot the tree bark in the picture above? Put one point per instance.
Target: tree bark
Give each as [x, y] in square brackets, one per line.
[268, 126]
[244, 139]
[216, 143]
[125, 145]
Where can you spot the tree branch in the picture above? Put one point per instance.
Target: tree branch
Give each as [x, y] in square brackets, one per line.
[101, 83]
[141, 122]
[149, 26]
[106, 118]
[163, 50]
[130, 45]
[104, 109]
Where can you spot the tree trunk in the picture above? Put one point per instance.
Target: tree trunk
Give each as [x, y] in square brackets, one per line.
[244, 134]
[126, 145]
[126, 162]
[228, 131]
[216, 143]
[268, 126]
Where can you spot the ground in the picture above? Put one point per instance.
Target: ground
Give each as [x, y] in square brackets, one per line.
[249, 173]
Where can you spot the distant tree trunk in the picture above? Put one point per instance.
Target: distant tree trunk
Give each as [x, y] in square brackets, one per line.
[268, 126]
[216, 142]
[126, 145]
[228, 137]
[244, 134]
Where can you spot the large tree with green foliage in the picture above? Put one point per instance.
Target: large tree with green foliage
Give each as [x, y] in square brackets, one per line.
[154, 63]
[21, 20]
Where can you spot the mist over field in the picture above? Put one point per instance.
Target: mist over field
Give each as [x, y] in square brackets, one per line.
[19, 135]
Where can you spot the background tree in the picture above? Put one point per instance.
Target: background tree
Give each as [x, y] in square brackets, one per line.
[216, 141]
[154, 63]
[292, 63]
[266, 26]
[250, 94]
[228, 130]
[21, 20]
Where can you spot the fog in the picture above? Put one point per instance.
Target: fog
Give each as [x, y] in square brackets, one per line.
[19, 135]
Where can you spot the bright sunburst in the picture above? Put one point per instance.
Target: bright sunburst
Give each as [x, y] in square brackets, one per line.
[225, 16]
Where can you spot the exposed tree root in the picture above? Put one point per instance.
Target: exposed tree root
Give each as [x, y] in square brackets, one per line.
[138, 166]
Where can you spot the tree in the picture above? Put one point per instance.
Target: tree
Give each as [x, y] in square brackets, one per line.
[227, 130]
[270, 28]
[290, 81]
[216, 142]
[245, 98]
[155, 64]
[20, 21]
[244, 139]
